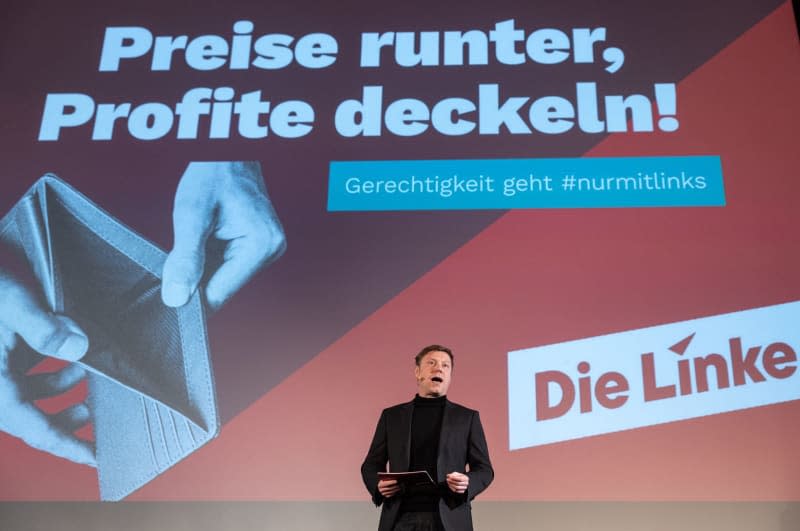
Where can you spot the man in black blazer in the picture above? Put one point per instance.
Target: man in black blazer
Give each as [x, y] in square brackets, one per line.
[433, 434]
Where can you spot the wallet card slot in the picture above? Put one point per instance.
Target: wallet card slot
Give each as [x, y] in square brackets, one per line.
[174, 424]
[171, 445]
[196, 440]
[151, 439]
[155, 430]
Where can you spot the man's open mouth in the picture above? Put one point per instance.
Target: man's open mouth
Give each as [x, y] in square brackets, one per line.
[437, 379]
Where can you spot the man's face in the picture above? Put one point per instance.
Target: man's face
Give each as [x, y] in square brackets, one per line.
[433, 374]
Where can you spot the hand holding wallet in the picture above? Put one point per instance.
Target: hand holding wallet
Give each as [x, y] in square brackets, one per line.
[151, 389]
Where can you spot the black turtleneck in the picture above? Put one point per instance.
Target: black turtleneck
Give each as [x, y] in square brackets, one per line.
[426, 425]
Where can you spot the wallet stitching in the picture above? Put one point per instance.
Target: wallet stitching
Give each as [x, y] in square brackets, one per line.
[40, 198]
[8, 222]
[103, 237]
[196, 321]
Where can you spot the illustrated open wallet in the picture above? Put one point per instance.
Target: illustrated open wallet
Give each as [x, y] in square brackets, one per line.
[150, 383]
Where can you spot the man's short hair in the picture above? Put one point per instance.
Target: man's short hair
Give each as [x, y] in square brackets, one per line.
[434, 348]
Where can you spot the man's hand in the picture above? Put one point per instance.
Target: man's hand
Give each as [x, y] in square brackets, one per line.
[457, 482]
[23, 318]
[226, 202]
[388, 487]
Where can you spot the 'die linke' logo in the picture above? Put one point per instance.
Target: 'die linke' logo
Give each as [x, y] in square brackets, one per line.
[741, 366]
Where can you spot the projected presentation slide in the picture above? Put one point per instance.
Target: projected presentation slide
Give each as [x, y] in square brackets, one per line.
[226, 229]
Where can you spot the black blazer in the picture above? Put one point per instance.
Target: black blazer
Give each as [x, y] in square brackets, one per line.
[461, 443]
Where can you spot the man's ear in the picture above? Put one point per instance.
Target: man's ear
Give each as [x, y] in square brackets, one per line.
[416, 372]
